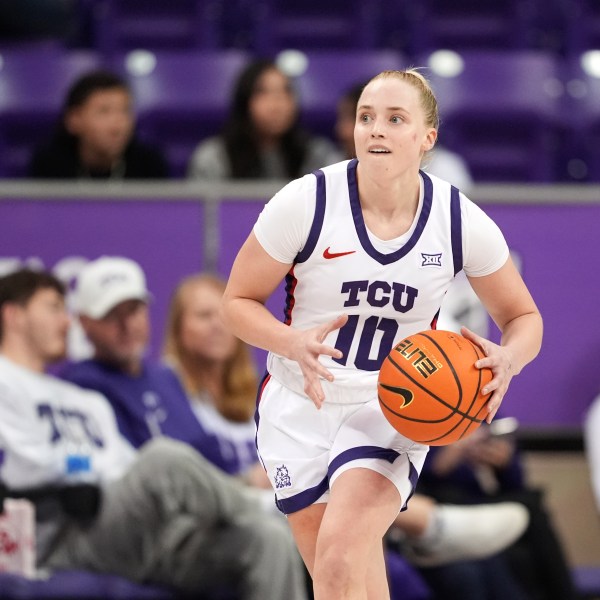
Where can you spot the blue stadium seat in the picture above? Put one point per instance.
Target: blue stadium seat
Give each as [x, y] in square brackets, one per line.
[502, 111]
[470, 24]
[120, 25]
[313, 24]
[33, 84]
[329, 74]
[582, 21]
[181, 97]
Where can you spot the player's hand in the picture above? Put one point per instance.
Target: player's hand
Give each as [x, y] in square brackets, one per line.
[306, 349]
[499, 360]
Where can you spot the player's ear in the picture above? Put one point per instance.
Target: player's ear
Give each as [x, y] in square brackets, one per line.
[430, 139]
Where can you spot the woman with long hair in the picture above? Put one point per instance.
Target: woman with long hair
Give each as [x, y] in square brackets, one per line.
[217, 371]
[262, 137]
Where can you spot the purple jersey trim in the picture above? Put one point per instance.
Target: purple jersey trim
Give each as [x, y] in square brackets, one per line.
[413, 477]
[317, 224]
[456, 230]
[361, 229]
[311, 495]
[361, 452]
[303, 499]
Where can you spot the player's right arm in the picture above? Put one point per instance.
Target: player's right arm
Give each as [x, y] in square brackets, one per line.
[254, 277]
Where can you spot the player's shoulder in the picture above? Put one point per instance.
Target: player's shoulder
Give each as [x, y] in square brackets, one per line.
[443, 190]
[439, 184]
[336, 168]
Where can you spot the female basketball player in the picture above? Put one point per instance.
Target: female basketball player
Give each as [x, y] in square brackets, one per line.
[368, 248]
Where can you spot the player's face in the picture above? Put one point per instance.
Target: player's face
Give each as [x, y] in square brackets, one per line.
[122, 335]
[45, 323]
[272, 105]
[390, 132]
[104, 123]
[203, 333]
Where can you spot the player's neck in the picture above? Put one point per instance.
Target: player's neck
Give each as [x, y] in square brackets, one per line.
[382, 192]
[389, 210]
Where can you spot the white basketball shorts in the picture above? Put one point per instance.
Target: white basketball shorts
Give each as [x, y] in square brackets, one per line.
[304, 449]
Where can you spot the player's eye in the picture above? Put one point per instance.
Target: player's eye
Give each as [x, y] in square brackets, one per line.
[396, 119]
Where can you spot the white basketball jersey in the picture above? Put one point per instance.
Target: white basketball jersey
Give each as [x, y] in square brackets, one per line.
[387, 295]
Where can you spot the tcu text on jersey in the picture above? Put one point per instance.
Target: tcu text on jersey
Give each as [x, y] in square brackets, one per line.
[376, 294]
[379, 294]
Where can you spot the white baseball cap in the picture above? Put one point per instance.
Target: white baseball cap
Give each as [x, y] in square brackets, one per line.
[107, 281]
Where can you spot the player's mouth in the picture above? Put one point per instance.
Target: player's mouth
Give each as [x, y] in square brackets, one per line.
[378, 150]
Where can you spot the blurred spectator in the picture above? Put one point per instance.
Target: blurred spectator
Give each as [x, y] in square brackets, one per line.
[591, 436]
[163, 515]
[261, 138]
[440, 161]
[95, 136]
[147, 397]
[217, 371]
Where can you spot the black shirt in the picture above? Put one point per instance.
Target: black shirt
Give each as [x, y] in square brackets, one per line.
[60, 160]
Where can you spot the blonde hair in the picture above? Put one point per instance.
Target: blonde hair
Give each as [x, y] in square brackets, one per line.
[422, 85]
[240, 380]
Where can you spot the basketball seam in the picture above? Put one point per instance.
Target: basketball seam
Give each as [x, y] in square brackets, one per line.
[469, 418]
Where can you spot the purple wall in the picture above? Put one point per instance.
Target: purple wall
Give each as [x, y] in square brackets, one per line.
[559, 261]
[560, 251]
[164, 237]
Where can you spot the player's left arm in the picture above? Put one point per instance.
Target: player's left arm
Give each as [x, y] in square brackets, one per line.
[511, 306]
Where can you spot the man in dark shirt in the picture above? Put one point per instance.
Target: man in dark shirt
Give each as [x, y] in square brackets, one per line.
[95, 137]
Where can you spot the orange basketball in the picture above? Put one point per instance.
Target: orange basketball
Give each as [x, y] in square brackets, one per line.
[430, 390]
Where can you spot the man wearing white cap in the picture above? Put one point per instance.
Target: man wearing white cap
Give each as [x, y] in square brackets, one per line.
[111, 300]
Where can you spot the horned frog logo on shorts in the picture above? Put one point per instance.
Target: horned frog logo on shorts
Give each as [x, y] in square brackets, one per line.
[282, 477]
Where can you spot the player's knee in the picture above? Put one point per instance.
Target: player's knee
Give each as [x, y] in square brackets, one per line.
[335, 565]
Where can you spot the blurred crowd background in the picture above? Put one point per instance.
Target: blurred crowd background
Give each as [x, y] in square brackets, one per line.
[517, 80]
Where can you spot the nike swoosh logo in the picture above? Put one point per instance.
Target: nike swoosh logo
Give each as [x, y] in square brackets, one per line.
[407, 395]
[327, 254]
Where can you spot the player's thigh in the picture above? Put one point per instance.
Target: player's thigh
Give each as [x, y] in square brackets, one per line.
[367, 440]
[362, 505]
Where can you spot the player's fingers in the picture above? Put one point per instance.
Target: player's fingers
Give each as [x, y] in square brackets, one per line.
[498, 389]
[330, 351]
[313, 389]
[493, 405]
[323, 373]
[484, 344]
[332, 325]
